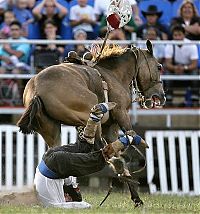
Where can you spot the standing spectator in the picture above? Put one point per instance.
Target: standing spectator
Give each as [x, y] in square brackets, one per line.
[14, 57]
[101, 8]
[9, 17]
[22, 14]
[82, 17]
[189, 19]
[49, 10]
[180, 59]
[152, 16]
[158, 49]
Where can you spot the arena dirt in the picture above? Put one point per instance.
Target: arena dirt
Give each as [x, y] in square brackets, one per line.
[24, 198]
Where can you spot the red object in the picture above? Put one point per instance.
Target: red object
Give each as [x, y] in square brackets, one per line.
[114, 20]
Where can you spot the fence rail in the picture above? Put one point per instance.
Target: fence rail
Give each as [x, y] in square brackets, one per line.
[120, 42]
[163, 77]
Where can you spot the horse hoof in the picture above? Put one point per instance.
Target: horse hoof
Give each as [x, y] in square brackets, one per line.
[138, 203]
[144, 144]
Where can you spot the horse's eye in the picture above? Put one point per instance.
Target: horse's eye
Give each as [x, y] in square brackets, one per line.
[160, 67]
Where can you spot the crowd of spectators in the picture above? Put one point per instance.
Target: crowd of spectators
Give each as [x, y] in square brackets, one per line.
[86, 19]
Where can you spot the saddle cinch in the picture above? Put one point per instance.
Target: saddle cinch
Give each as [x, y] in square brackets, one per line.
[86, 60]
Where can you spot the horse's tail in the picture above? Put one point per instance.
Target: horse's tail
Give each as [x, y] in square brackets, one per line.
[28, 121]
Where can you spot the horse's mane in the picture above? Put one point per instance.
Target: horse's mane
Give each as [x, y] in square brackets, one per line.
[109, 50]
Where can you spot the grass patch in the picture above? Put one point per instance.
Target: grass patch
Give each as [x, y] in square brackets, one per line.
[119, 203]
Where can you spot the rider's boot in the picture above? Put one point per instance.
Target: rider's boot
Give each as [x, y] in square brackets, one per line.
[96, 115]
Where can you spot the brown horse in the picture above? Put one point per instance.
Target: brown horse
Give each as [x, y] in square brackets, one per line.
[65, 93]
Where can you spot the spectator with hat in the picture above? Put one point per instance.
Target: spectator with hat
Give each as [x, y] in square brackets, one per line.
[152, 16]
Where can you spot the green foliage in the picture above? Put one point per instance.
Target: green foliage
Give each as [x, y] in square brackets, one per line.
[120, 203]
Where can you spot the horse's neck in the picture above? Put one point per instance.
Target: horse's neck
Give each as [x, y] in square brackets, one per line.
[122, 68]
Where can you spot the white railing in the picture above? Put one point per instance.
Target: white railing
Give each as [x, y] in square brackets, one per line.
[176, 155]
[163, 77]
[87, 42]
[25, 151]
[134, 113]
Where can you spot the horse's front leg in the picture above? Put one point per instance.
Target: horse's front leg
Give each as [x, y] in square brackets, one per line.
[122, 117]
[134, 195]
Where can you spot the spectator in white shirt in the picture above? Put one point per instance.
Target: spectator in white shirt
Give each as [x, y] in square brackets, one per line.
[181, 60]
[82, 17]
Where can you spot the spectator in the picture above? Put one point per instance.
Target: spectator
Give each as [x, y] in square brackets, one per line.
[180, 59]
[101, 8]
[82, 17]
[14, 57]
[3, 7]
[128, 29]
[9, 17]
[158, 49]
[50, 54]
[22, 14]
[117, 34]
[50, 30]
[49, 10]
[189, 19]
[152, 16]
[80, 48]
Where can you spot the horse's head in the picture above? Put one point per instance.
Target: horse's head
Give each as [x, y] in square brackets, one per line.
[148, 77]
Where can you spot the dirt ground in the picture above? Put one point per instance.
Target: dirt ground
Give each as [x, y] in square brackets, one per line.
[24, 198]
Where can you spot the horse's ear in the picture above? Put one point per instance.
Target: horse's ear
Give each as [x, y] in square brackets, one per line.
[149, 46]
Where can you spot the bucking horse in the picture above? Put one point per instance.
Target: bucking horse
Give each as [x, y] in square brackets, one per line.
[65, 93]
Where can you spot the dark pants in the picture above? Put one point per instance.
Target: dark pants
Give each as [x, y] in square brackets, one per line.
[74, 160]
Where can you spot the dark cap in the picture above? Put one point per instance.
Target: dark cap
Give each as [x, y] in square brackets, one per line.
[151, 10]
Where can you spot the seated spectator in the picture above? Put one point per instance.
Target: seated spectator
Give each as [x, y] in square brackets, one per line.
[13, 59]
[128, 29]
[189, 19]
[180, 59]
[158, 49]
[117, 34]
[3, 8]
[49, 10]
[80, 48]
[14, 56]
[22, 14]
[9, 17]
[152, 16]
[44, 52]
[101, 8]
[82, 17]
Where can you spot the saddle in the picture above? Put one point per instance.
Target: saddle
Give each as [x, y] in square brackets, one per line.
[74, 58]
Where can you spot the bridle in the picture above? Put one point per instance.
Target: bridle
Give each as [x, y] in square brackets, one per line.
[135, 91]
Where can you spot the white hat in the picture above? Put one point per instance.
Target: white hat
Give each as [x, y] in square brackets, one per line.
[77, 32]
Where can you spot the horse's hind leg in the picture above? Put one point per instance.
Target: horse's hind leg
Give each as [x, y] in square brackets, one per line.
[50, 130]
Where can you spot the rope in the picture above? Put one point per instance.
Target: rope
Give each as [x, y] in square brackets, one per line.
[102, 47]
